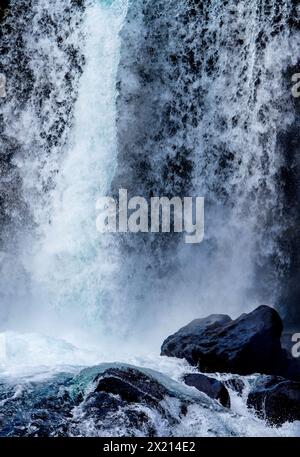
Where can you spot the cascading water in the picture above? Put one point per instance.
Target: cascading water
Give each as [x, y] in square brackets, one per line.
[42, 61]
[200, 114]
[207, 91]
[161, 98]
[67, 157]
[73, 263]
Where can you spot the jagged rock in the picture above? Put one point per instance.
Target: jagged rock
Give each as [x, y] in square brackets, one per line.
[212, 387]
[249, 344]
[3, 8]
[131, 385]
[275, 399]
[235, 383]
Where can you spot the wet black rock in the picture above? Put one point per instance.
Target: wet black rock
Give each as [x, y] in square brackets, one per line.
[212, 387]
[131, 385]
[275, 399]
[249, 344]
[235, 383]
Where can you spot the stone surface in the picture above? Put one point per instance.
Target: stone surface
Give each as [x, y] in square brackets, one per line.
[275, 399]
[249, 344]
[212, 387]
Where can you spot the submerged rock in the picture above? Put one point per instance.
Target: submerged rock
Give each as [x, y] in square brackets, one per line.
[275, 399]
[212, 387]
[113, 400]
[108, 399]
[249, 344]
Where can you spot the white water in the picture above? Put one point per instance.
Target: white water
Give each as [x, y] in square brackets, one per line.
[72, 263]
[70, 268]
[69, 280]
[66, 278]
[35, 358]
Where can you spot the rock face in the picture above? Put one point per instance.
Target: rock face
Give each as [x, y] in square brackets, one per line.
[3, 7]
[249, 344]
[211, 387]
[275, 399]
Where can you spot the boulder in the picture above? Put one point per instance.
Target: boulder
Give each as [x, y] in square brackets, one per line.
[292, 368]
[275, 399]
[212, 387]
[249, 344]
[138, 400]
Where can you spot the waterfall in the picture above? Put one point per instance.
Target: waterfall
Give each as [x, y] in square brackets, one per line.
[42, 62]
[161, 98]
[63, 173]
[74, 264]
[206, 88]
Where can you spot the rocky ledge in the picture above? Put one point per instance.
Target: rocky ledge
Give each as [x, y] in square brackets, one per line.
[250, 344]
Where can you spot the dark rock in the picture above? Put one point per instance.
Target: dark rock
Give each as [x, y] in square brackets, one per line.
[131, 385]
[210, 386]
[132, 397]
[235, 383]
[249, 344]
[3, 8]
[185, 343]
[275, 399]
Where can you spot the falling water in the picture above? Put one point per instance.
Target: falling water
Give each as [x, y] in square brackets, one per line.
[163, 98]
[177, 98]
[206, 90]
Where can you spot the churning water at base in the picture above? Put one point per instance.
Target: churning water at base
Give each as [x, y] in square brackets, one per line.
[191, 104]
[54, 397]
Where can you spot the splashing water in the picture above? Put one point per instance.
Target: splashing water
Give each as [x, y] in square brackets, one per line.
[168, 98]
[68, 265]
